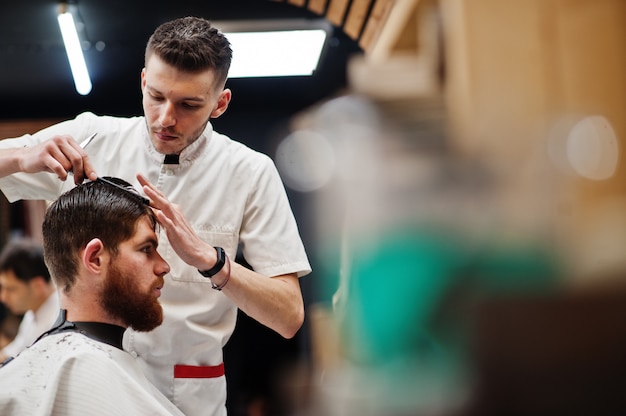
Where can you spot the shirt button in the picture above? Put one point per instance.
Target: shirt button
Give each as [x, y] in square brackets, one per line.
[134, 354]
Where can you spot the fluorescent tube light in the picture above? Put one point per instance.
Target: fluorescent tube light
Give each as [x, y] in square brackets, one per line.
[275, 48]
[74, 53]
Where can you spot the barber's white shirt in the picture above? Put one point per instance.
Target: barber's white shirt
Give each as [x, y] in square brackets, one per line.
[70, 374]
[33, 324]
[231, 195]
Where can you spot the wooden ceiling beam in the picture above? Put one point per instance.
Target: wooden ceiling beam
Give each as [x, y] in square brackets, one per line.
[337, 11]
[318, 6]
[356, 18]
[374, 24]
[379, 26]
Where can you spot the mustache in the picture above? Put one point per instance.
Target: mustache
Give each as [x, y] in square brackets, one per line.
[159, 283]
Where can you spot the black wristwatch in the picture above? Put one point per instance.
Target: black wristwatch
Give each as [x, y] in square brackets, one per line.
[221, 259]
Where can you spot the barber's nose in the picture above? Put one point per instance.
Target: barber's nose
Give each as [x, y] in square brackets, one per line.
[168, 115]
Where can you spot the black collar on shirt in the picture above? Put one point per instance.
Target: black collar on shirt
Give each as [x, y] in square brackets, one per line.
[171, 159]
[99, 331]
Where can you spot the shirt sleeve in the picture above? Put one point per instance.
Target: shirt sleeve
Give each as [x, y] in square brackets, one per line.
[45, 186]
[270, 236]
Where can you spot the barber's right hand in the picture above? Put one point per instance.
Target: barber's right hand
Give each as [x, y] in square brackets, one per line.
[59, 155]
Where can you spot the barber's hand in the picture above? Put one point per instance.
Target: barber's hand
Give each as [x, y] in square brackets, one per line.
[59, 155]
[184, 240]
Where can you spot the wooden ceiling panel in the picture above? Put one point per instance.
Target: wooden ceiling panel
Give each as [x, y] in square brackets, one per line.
[374, 24]
[337, 11]
[364, 21]
[317, 6]
[299, 3]
[355, 20]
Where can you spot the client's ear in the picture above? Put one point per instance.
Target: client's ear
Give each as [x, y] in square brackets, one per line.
[93, 256]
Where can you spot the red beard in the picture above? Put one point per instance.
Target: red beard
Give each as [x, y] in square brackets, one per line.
[122, 298]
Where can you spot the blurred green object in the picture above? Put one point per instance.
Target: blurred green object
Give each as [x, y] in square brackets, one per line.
[394, 289]
[407, 293]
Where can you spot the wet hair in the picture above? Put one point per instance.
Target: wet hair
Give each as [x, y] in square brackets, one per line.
[24, 257]
[95, 209]
[191, 44]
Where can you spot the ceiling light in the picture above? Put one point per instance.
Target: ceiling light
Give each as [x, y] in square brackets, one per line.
[275, 49]
[74, 51]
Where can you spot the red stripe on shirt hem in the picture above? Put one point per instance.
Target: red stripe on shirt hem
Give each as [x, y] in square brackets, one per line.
[203, 371]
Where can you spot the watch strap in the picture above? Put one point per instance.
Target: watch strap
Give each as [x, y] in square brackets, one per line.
[221, 259]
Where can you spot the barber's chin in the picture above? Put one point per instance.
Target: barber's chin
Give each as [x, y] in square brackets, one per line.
[164, 148]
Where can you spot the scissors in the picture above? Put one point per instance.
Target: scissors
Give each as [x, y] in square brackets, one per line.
[132, 191]
[87, 141]
[82, 145]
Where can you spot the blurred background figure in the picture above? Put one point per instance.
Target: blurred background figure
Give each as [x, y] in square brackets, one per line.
[412, 235]
[26, 289]
[9, 323]
[468, 229]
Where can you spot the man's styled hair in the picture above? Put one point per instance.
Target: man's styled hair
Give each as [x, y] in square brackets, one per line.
[191, 44]
[95, 209]
[24, 257]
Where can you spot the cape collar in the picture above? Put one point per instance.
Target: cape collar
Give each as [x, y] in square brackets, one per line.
[99, 331]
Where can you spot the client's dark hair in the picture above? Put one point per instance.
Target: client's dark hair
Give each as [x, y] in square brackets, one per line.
[107, 208]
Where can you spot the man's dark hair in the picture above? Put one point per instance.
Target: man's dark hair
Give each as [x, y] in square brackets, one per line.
[191, 44]
[24, 257]
[92, 210]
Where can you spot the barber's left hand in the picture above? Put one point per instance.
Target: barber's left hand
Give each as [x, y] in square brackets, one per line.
[184, 240]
